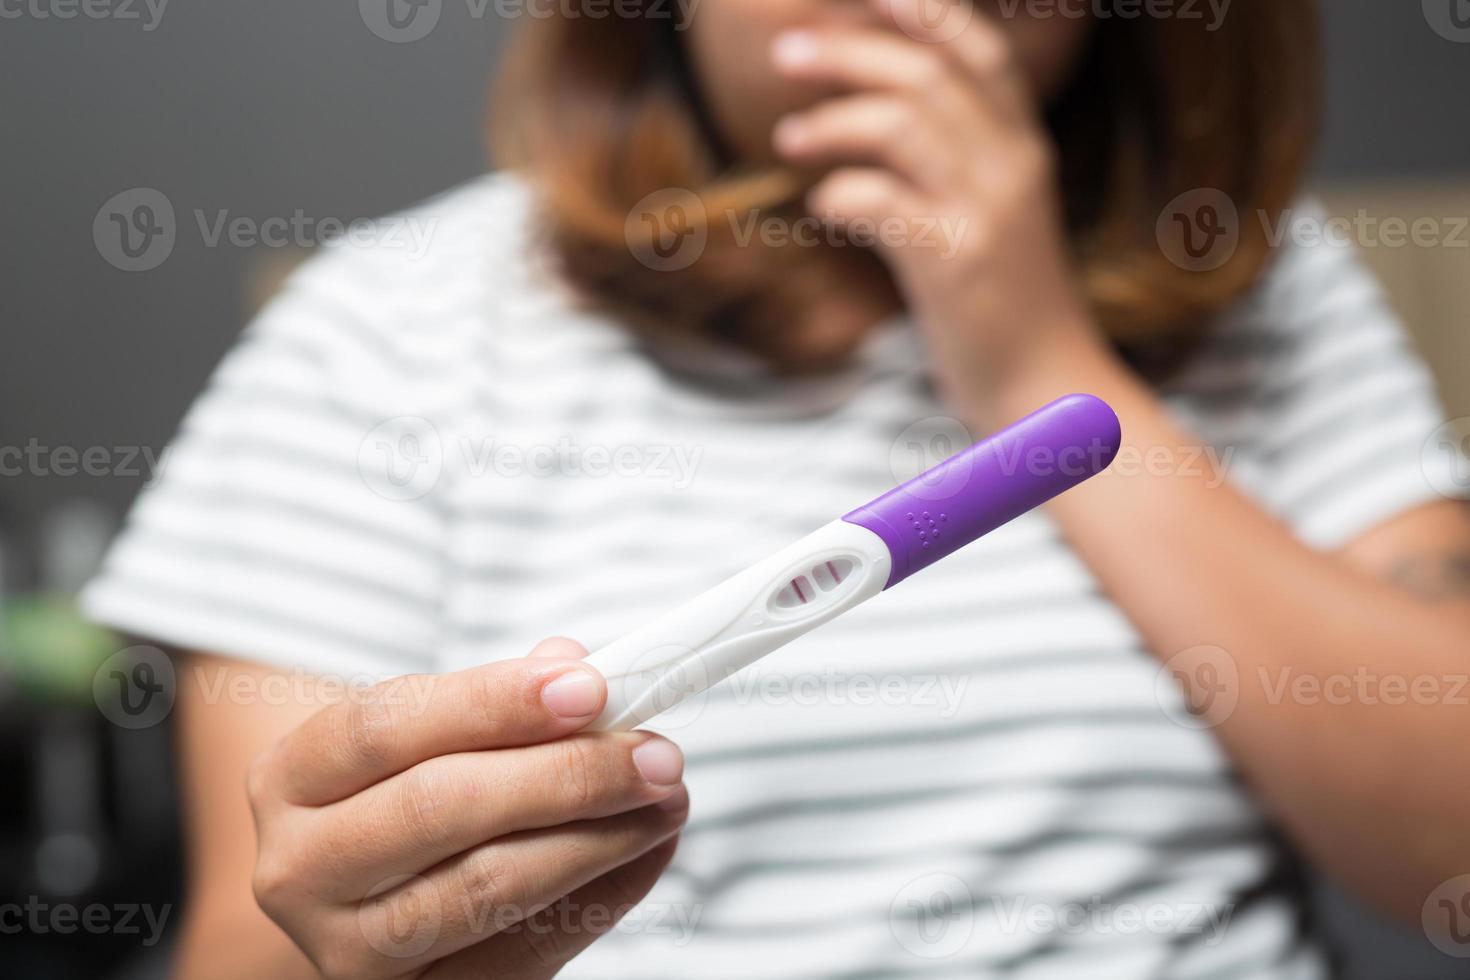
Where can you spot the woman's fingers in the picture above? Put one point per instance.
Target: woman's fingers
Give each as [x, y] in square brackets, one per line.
[487, 890]
[447, 805]
[861, 58]
[396, 725]
[971, 40]
[558, 648]
[859, 197]
[970, 80]
[544, 944]
[883, 129]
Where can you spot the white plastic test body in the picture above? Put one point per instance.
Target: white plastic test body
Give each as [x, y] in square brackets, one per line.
[739, 621]
[852, 559]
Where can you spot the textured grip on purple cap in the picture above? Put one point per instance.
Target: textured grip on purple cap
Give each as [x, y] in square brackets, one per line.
[996, 480]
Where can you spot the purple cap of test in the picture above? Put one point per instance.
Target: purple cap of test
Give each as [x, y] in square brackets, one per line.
[994, 481]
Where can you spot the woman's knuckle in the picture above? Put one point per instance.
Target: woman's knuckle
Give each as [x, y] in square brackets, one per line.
[577, 853]
[271, 880]
[492, 693]
[577, 772]
[426, 804]
[483, 693]
[258, 780]
[370, 729]
[336, 961]
[547, 943]
[493, 879]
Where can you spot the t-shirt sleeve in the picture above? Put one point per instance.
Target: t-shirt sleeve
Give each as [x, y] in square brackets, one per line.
[1354, 432]
[293, 519]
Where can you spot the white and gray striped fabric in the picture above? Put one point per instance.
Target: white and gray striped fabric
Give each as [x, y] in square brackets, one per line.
[419, 462]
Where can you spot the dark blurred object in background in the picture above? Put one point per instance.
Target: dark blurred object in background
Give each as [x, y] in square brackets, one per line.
[89, 859]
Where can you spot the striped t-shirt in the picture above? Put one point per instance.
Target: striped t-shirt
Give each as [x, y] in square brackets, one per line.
[420, 460]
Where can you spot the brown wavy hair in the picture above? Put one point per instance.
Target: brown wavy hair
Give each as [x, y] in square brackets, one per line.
[598, 113]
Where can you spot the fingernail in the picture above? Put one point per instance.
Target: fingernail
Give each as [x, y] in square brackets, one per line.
[794, 49]
[659, 761]
[575, 694]
[677, 801]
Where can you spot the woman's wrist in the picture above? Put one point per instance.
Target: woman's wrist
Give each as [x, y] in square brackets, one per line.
[1060, 359]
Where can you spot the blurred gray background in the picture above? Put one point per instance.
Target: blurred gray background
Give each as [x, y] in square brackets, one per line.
[265, 108]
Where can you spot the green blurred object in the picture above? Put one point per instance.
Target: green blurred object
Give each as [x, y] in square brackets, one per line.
[48, 649]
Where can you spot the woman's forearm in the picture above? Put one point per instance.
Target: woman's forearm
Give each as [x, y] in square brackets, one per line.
[1348, 723]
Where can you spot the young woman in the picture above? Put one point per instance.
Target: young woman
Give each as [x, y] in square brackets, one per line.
[556, 421]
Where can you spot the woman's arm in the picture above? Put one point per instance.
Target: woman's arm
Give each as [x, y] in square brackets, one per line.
[1353, 712]
[944, 130]
[224, 932]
